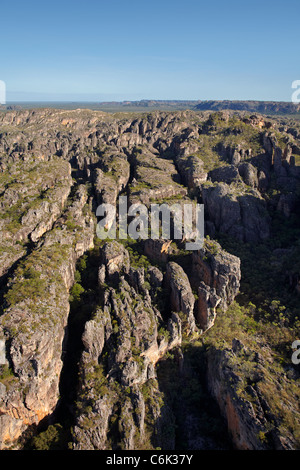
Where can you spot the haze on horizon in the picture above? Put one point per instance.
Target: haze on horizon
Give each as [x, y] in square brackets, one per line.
[163, 50]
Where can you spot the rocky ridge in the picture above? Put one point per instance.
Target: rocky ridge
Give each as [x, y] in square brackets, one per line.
[148, 299]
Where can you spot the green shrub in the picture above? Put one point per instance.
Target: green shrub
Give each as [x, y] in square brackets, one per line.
[54, 438]
[76, 292]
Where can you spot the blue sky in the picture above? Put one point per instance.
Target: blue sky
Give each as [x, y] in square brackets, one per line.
[130, 50]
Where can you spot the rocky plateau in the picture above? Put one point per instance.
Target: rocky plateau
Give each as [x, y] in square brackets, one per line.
[141, 344]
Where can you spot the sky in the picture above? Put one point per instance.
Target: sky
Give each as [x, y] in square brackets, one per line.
[116, 50]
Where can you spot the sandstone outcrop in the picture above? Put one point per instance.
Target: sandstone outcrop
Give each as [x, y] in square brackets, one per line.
[236, 212]
[34, 320]
[217, 276]
[122, 345]
[181, 295]
[133, 302]
[246, 409]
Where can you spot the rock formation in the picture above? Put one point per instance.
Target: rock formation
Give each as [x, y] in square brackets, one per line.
[107, 314]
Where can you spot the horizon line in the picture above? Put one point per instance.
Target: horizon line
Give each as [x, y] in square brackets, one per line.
[153, 99]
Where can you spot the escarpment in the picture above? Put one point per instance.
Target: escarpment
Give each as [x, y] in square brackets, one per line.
[127, 343]
[34, 320]
[122, 344]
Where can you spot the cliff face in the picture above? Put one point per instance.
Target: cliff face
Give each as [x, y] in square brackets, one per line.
[248, 413]
[85, 324]
[122, 344]
[33, 325]
[217, 276]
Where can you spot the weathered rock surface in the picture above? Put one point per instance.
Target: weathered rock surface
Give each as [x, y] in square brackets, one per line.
[242, 215]
[122, 344]
[216, 275]
[181, 295]
[30, 203]
[248, 413]
[56, 167]
[34, 320]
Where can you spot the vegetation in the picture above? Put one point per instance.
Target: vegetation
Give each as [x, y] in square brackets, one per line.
[53, 438]
[187, 395]
[273, 374]
[265, 274]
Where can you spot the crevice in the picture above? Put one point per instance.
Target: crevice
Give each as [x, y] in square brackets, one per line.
[82, 308]
[199, 424]
[131, 158]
